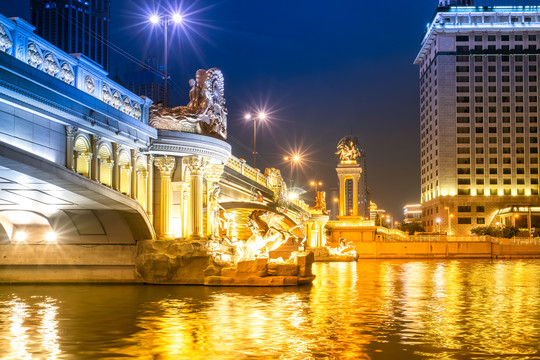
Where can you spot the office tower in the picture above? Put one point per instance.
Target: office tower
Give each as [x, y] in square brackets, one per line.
[75, 26]
[479, 118]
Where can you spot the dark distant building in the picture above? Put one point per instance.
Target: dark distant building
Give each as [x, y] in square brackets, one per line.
[147, 80]
[75, 26]
[456, 3]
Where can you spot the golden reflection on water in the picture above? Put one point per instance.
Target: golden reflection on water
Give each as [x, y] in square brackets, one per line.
[371, 309]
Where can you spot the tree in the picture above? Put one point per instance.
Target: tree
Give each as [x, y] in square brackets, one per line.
[504, 231]
[412, 227]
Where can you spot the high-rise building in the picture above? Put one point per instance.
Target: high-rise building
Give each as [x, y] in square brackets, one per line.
[147, 80]
[75, 26]
[479, 118]
[443, 3]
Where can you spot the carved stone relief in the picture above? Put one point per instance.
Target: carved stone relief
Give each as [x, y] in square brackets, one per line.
[34, 55]
[89, 85]
[5, 39]
[50, 65]
[66, 74]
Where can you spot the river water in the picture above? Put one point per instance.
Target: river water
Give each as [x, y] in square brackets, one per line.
[373, 309]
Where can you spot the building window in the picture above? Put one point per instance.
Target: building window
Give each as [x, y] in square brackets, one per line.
[480, 221]
[480, 209]
[464, 220]
[464, 208]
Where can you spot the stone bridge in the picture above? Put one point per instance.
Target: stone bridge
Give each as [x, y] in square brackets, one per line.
[80, 165]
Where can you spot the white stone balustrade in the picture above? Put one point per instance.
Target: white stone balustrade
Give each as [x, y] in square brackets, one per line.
[17, 39]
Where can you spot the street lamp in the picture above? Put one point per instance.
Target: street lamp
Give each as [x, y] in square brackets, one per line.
[156, 20]
[293, 159]
[261, 117]
[316, 183]
[438, 225]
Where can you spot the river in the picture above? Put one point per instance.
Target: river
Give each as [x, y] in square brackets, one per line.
[373, 309]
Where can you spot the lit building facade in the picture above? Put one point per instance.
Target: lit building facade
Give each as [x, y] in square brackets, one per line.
[412, 213]
[75, 26]
[479, 115]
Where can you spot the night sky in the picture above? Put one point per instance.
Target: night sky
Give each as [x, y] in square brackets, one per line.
[321, 69]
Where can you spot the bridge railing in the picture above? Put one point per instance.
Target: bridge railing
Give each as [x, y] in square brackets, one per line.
[17, 39]
[240, 166]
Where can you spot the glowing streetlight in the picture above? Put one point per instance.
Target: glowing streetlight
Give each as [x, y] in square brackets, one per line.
[293, 159]
[438, 225]
[50, 237]
[156, 20]
[316, 183]
[261, 117]
[20, 236]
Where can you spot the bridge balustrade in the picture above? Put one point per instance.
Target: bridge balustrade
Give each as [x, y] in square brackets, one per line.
[18, 40]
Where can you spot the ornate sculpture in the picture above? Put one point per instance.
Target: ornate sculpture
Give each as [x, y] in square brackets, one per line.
[34, 57]
[348, 149]
[50, 65]
[206, 112]
[320, 204]
[276, 183]
[117, 100]
[107, 97]
[137, 111]
[127, 106]
[66, 74]
[5, 40]
[89, 84]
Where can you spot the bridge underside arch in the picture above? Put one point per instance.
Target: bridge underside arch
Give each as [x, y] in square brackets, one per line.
[38, 197]
[238, 214]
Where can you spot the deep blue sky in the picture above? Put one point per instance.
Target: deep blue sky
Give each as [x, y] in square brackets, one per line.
[323, 68]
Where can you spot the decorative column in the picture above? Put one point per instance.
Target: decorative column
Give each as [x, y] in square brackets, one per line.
[213, 190]
[355, 180]
[133, 174]
[197, 166]
[150, 189]
[142, 183]
[94, 166]
[166, 167]
[71, 131]
[186, 223]
[116, 168]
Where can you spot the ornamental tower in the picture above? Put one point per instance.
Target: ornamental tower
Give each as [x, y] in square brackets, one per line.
[349, 171]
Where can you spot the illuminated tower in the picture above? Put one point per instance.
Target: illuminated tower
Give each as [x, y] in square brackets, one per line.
[479, 118]
[349, 172]
[75, 26]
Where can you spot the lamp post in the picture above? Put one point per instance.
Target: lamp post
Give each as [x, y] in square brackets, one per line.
[292, 159]
[261, 117]
[176, 19]
[438, 226]
[316, 183]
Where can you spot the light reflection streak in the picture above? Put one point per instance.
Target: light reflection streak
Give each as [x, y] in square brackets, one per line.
[369, 309]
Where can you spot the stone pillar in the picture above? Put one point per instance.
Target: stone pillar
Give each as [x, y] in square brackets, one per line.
[150, 189]
[142, 185]
[355, 180]
[166, 167]
[94, 167]
[71, 131]
[133, 174]
[116, 168]
[342, 196]
[186, 223]
[197, 166]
